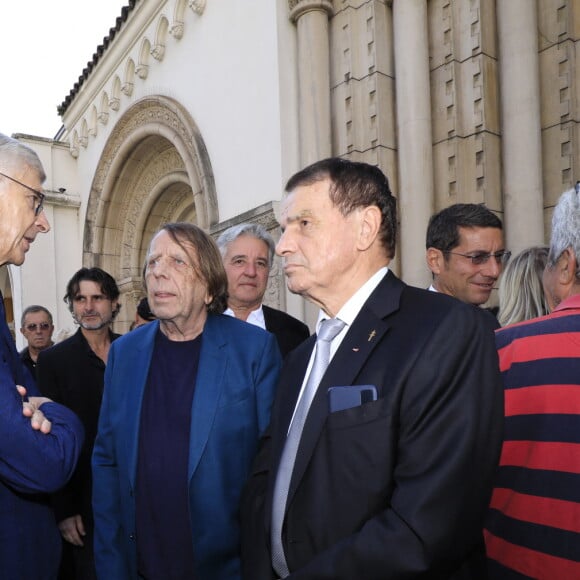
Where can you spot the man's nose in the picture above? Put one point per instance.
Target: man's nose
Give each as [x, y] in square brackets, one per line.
[285, 244]
[41, 222]
[493, 267]
[250, 269]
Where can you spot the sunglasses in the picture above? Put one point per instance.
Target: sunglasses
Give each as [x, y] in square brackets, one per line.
[33, 327]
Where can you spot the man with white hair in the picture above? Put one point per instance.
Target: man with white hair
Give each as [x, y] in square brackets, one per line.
[533, 528]
[38, 458]
[248, 252]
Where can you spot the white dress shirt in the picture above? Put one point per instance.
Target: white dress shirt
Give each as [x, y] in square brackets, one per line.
[256, 317]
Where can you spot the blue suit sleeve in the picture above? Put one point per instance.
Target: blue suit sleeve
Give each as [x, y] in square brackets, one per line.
[110, 557]
[31, 461]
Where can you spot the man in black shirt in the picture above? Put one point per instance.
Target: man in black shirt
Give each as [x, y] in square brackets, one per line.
[37, 328]
[72, 373]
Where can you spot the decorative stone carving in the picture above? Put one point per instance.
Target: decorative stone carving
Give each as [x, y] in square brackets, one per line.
[103, 118]
[74, 151]
[108, 213]
[115, 104]
[198, 6]
[158, 52]
[142, 71]
[127, 89]
[84, 141]
[176, 29]
[299, 7]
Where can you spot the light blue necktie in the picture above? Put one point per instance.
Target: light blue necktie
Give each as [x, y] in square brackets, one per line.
[328, 330]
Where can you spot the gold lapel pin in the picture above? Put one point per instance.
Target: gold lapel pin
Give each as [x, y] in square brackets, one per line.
[372, 335]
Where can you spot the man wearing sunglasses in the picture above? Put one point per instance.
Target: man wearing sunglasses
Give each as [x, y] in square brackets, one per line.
[37, 328]
[466, 252]
[38, 451]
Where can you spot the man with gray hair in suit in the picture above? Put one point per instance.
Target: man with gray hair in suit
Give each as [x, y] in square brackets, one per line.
[248, 252]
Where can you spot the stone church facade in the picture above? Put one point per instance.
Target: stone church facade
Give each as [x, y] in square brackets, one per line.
[200, 110]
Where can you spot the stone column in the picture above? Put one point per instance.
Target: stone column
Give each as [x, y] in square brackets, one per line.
[415, 143]
[521, 129]
[311, 19]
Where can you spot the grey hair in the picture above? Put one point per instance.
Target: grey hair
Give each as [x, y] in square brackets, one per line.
[254, 230]
[566, 228]
[31, 310]
[521, 295]
[15, 155]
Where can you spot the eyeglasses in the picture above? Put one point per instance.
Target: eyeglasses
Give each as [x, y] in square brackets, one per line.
[38, 194]
[480, 259]
[33, 327]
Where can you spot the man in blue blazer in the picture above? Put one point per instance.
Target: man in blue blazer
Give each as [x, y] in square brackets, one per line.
[186, 400]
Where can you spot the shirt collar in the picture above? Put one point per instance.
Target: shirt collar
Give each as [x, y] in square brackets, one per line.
[353, 305]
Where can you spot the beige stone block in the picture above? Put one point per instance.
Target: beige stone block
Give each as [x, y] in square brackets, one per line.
[561, 160]
[364, 114]
[460, 30]
[468, 170]
[361, 42]
[464, 98]
[558, 21]
[557, 72]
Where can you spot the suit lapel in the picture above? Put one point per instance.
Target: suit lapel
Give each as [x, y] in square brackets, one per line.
[208, 389]
[367, 330]
[136, 362]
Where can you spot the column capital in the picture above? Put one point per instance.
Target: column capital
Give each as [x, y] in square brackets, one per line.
[299, 7]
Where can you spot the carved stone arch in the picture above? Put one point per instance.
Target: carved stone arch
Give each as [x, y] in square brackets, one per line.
[84, 137]
[158, 50]
[104, 108]
[177, 26]
[93, 121]
[154, 169]
[74, 146]
[142, 69]
[129, 81]
[115, 102]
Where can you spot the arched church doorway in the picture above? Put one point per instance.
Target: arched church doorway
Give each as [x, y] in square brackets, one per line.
[153, 170]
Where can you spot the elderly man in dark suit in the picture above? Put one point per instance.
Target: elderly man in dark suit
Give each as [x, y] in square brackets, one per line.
[248, 251]
[382, 468]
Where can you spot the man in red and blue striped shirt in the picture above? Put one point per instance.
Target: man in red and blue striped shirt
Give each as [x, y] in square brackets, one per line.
[533, 528]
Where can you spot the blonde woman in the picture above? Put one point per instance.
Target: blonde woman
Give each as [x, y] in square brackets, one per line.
[521, 295]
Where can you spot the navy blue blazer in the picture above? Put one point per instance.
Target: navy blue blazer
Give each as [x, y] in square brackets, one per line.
[238, 370]
[32, 464]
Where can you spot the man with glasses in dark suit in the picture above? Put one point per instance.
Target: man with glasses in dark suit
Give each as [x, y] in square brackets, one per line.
[466, 252]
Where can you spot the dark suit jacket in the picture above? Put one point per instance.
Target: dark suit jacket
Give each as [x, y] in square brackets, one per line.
[72, 374]
[289, 331]
[395, 488]
[238, 370]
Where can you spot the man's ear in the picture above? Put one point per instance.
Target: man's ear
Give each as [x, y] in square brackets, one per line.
[567, 266]
[370, 225]
[435, 259]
